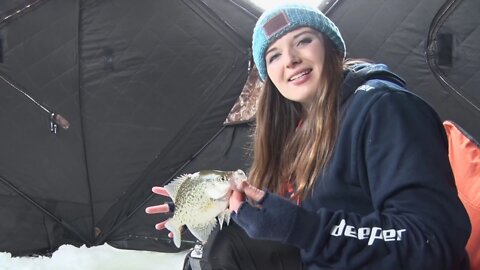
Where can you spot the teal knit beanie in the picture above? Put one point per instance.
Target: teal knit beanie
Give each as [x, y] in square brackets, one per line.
[276, 22]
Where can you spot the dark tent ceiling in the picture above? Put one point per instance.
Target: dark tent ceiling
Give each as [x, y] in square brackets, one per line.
[146, 86]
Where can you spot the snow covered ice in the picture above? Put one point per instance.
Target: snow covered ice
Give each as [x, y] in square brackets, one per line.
[104, 257]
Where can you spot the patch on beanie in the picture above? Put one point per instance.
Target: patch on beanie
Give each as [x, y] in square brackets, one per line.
[276, 24]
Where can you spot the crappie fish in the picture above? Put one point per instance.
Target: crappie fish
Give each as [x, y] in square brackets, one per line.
[200, 199]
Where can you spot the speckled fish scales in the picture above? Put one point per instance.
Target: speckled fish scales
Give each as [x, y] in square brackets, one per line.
[200, 199]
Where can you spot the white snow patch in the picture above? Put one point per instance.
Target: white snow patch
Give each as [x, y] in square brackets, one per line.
[104, 257]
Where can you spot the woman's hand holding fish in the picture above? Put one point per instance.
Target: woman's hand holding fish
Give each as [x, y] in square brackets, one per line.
[160, 209]
[263, 208]
[242, 190]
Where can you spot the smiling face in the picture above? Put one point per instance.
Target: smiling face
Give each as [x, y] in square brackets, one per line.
[295, 63]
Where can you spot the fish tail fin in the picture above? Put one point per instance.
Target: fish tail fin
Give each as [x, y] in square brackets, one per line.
[173, 227]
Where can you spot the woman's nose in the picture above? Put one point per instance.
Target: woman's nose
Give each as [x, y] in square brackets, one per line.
[292, 59]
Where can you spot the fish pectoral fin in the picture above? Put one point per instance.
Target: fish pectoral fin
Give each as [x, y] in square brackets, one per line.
[224, 216]
[202, 231]
[221, 218]
[227, 216]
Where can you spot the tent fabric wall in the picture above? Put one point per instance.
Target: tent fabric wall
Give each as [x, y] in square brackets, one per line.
[156, 102]
[145, 85]
[40, 49]
[396, 33]
[228, 150]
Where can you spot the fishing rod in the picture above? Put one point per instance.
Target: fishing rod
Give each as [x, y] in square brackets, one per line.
[56, 119]
[19, 11]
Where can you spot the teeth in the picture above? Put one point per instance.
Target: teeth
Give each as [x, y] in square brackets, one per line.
[299, 75]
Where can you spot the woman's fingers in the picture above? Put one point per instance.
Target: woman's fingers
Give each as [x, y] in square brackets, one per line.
[238, 185]
[253, 193]
[240, 191]
[161, 225]
[162, 208]
[158, 209]
[160, 191]
[236, 199]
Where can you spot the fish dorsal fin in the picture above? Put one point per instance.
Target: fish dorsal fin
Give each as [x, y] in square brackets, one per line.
[202, 231]
[174, 185]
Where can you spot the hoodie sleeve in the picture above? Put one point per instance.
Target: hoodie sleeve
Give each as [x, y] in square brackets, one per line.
[418, 221]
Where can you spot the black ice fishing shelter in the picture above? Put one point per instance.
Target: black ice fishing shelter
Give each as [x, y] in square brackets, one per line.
[145, 87]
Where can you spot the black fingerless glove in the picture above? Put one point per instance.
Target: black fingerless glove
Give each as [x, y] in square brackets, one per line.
[271, 218]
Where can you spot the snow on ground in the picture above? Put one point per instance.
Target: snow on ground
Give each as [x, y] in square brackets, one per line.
[103, 257]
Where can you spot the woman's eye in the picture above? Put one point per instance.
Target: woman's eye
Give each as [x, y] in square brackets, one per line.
[273, 57]
[305, 40]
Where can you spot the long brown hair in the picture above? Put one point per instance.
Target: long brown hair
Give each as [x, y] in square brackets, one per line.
[287, 150]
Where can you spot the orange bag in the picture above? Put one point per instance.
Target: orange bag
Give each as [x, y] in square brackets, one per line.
[464, 155]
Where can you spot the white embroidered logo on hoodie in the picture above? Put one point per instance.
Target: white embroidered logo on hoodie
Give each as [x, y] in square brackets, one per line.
[365, 88]
[370, 233]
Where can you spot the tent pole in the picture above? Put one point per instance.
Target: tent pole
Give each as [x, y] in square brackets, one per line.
[44, 210]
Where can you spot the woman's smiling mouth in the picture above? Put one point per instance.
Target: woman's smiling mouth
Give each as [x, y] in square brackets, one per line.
[300, 75]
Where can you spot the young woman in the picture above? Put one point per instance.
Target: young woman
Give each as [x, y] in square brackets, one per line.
[350, 168]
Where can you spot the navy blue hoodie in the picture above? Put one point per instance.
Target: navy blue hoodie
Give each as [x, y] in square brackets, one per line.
[387, 198]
